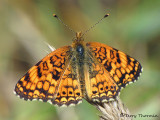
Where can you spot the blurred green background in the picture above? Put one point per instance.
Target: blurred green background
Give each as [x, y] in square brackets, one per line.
[26, 25]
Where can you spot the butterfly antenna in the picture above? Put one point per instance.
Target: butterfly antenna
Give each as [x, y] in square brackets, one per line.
[95, 24]
[54, 15]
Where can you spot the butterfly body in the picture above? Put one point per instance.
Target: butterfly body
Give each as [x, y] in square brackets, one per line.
[92, 70]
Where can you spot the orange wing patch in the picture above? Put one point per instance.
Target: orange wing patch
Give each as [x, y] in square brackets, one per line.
[42, 80]
[122, 68]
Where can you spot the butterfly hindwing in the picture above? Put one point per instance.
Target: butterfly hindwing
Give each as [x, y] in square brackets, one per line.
[69, 91]
[122, 68]
[42, 80]
[101, 86]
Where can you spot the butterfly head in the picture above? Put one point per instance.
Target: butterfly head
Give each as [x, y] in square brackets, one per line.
[78, 40]
[78, 35]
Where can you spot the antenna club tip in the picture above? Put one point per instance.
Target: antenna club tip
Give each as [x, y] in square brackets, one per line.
[54, 15]
[106, 15]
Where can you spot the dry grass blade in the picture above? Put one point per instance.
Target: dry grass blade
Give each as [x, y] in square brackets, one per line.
[113, 110]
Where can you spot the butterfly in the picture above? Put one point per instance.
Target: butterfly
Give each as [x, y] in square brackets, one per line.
[92, 70]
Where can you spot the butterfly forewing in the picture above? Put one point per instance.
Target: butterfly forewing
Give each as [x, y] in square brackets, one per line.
[43, 79]
[122, 68]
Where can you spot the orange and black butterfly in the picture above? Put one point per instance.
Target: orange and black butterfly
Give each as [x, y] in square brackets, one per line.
[92, 70]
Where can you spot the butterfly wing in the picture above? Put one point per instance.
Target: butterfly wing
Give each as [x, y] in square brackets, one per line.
[100, 86]
[69, 91]
[122, 68]
[42, 81]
